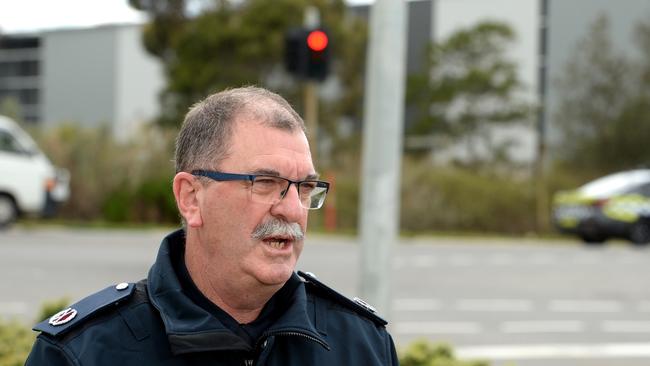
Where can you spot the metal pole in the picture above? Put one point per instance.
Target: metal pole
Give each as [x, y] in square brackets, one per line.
[382, 148]
[311, 19]
[311, 117]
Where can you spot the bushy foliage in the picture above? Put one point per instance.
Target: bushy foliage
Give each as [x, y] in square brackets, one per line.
[449, 198]
[234, 43]
[424, 353]
[16, 339]
[112, 180]
[15, 342]
[604, 104]
[468, 86]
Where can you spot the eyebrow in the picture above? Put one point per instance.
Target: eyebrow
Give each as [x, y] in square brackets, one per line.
[275, 173]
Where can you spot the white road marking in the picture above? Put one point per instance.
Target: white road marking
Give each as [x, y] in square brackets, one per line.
[625, 326]
[416, 304]
[501, 259]
[542, 259]
[583, 259]
[424, 262]
[545, 326]
[557, 351]
[643, 307]
[426, 328]
[585, 306]
[506, 305]
[13, 308]
[461, 260]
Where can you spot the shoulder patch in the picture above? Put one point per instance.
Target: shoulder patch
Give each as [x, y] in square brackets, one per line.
[357, 305]
[74, 315]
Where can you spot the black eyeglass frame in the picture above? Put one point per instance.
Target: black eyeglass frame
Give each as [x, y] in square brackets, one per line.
[224, 177]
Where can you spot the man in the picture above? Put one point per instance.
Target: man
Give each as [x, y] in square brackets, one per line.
[223, 290]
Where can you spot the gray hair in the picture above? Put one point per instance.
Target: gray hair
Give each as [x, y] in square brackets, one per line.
[204, 138]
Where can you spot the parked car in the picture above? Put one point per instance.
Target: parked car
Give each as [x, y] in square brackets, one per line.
[29, 183]
[614, 206]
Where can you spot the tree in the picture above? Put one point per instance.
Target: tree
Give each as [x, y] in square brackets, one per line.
[604, 110]
[468, 86]
[233, 43]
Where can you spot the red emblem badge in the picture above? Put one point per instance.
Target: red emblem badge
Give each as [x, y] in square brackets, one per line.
[63, 316]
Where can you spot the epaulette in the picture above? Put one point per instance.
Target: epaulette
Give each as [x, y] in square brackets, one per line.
[356, 304]
[77, 313]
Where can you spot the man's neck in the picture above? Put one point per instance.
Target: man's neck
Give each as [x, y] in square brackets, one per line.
[242, 299]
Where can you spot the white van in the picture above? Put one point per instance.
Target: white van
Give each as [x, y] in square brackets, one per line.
[29, 183]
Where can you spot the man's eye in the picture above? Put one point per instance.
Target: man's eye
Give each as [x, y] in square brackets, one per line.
[307, 187]
[266, 182]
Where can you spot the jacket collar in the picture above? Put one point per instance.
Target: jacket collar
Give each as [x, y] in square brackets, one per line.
[190, 328]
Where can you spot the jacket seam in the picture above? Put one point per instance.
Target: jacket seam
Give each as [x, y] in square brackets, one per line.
[65, 350]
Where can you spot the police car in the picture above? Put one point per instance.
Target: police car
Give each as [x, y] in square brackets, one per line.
[614, 206]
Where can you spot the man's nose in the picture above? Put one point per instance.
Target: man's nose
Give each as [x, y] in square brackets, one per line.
[290, 208]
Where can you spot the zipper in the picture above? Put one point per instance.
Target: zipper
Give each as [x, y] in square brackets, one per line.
[290, 333]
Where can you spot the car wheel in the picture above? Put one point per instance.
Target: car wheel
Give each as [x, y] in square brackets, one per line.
[593, 239]
[8, 211]
[640, 233]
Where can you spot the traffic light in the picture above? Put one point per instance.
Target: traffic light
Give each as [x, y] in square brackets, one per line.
[307, 53]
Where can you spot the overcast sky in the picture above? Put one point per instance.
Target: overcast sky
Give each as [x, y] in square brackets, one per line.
[32, 15]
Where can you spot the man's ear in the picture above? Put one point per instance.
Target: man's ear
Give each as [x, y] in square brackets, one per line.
[186, 189]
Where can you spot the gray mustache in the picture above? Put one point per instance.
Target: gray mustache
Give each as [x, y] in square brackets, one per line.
[276, 227]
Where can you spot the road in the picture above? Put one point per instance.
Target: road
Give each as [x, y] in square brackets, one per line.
[512, 301]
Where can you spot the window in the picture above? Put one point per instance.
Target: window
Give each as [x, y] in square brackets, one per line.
[9, 144]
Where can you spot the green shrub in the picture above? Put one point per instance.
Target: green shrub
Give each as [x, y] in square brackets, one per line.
[112, 180]
[117, 204]
[435, 198]
[447, 198]
[424, 353]
[155, 201]
[15, 343]
[16, 339]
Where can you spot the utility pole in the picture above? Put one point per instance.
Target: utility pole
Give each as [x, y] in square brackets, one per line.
[382, 148]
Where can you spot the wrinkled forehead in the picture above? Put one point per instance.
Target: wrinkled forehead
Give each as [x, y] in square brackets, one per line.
[258, 146]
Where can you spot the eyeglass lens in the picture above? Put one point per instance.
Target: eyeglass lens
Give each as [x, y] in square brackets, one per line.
[267, 189]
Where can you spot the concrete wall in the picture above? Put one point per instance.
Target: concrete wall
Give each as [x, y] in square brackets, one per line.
[78, 76]
[100, 76]
[139, 79]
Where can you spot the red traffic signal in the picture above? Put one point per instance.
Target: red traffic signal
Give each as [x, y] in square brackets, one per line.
[317, 40]
[307, 53]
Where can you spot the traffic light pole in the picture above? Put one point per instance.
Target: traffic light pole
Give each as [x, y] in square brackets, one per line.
[311, 117]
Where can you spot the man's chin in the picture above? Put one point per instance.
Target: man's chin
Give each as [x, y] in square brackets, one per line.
[275, 276]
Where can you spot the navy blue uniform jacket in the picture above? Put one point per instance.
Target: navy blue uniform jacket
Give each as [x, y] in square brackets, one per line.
[154, 323]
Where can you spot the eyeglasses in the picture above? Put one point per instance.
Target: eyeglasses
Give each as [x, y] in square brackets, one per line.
[271, 189]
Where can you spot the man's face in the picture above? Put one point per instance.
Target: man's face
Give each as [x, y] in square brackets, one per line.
[230, 217]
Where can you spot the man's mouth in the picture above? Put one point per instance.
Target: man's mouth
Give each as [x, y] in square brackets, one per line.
[277, 243]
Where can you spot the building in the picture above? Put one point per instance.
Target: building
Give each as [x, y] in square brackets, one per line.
[20, 64]
[93, 76]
